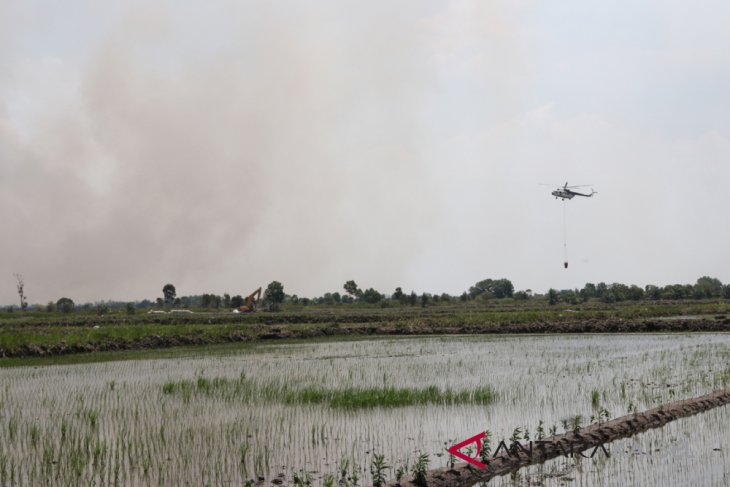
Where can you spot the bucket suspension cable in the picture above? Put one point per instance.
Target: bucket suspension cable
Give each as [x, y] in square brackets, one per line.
[565, 235]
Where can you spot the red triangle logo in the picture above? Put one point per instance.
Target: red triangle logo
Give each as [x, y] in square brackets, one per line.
[454, 450]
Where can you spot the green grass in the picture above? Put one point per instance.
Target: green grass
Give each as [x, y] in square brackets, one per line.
[595, 398]
[245, 390]
[356, 398]
[39, 333]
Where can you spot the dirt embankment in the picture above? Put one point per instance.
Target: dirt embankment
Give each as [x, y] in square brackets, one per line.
[582, 440]
[252, 332]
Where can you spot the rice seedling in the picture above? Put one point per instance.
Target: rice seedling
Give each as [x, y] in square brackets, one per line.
[344, 466]
[576, 423]
[302, 479]
[419, 470]
[486, 450]
[328, 480]
[377, 470]
[400, 472]
[595, 399]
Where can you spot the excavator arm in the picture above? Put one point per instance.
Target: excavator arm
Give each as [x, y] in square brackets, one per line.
[251, 302]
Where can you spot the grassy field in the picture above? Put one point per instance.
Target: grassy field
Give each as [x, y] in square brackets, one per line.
[40, 334]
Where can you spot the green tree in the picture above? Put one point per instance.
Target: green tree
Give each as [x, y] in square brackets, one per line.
[552, 296]
[635, 293]
[620, 291]
[726, 291]
[237, 301]
[707, 287]
[397, 294]
[352, 289]
[609, 296]
[371, 296]
[677, 291]
[652, 292]
[274, 295]
[65, 305]
[480, 287]
[499, 288]
[568, 296]
[588, 291]
[503, 288]
[168, 291]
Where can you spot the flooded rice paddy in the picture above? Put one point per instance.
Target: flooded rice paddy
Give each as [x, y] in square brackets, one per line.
[280, 411]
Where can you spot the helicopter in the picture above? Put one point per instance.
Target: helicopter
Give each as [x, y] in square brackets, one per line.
[566, 192]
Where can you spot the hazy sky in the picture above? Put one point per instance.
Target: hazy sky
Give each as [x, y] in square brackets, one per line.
[222, 145]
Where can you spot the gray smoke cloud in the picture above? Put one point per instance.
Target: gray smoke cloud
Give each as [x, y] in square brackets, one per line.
[224, 146]
[282, 149]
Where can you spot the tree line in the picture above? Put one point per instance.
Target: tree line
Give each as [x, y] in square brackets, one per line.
[705, 288]
[487, 289]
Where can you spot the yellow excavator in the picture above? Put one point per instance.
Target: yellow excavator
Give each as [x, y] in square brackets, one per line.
[251, 302]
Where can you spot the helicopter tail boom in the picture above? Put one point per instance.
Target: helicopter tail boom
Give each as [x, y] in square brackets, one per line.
[582, 194]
